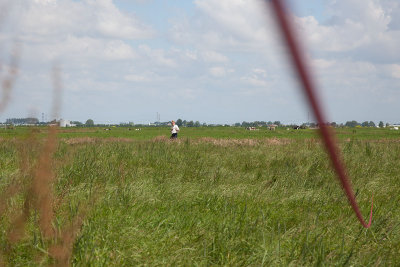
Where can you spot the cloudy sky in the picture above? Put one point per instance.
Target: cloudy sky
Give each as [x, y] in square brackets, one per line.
[215, 61]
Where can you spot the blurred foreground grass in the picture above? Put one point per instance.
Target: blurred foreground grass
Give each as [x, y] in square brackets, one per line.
[211, 201]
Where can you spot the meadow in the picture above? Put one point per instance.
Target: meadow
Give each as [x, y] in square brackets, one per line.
[216, 196]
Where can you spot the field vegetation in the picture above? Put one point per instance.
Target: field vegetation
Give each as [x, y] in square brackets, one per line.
[147, 133]
[216, 196]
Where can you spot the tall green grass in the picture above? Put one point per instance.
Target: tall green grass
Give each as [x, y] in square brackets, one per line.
[147, 133]
[194, 202]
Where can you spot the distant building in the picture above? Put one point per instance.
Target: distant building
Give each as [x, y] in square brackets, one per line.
[65, 123]
[394, 127]
[272, 127]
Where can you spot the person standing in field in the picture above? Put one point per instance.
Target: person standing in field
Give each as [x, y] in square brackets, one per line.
[174, 130]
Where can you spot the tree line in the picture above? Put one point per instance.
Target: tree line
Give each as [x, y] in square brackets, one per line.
[365, 124]
[19, 121]
[186, 123]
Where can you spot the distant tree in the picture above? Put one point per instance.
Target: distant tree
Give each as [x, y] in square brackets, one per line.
[32, 121]
[77, 123]
[184, 123]
[381, 124]
[22, 121]
[190, 124]
[333, 124]
[351, 123]
[313, 124]
[197, 124]
[371, 124]
[89, 122]
[277, 123]
[387, 124]
[364, 124]
[237, 124]
[179, 122]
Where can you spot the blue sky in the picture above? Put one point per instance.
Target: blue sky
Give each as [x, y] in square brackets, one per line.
[215, 61]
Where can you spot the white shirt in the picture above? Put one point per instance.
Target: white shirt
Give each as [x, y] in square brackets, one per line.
[175, 129]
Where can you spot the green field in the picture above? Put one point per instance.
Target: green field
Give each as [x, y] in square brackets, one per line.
[217, 196]
[147, 133]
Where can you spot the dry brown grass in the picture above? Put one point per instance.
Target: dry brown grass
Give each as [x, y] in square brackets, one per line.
[42, 186]
[243, 142]
[10, 191]
[90, 140]
[214, 141]
[7, 81]
[61, 250]
[35, 182]
[36, 178]
[162, 138]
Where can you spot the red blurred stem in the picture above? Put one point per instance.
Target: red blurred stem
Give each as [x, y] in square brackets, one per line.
[304, 76]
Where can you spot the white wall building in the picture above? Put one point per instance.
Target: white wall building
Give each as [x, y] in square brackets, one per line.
[66, 123]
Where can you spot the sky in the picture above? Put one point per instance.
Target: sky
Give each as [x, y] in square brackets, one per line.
[214, 61]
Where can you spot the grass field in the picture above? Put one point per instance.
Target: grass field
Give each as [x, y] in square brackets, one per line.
[148, 133]
[217, 196]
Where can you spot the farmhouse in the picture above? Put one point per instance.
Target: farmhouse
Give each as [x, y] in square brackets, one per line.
[394, 127]
[65, 123]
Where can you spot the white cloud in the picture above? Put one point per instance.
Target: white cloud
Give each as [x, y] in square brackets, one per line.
[233, 24]
[74, 30]
[348, 51]
[76, 50]
[242, 19]
[51, 18]
[187, 93]
[118, 50]
[158, 56]
[254, 81]
[110, 21]
[136, 78]
[256, 78]
[320, 63]
[191, 54]
[360, 29]
[217, 71]
[46, 2]
[212, 56]
[261, 72]
[395, 70]
[141, 77]
[332, 38]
